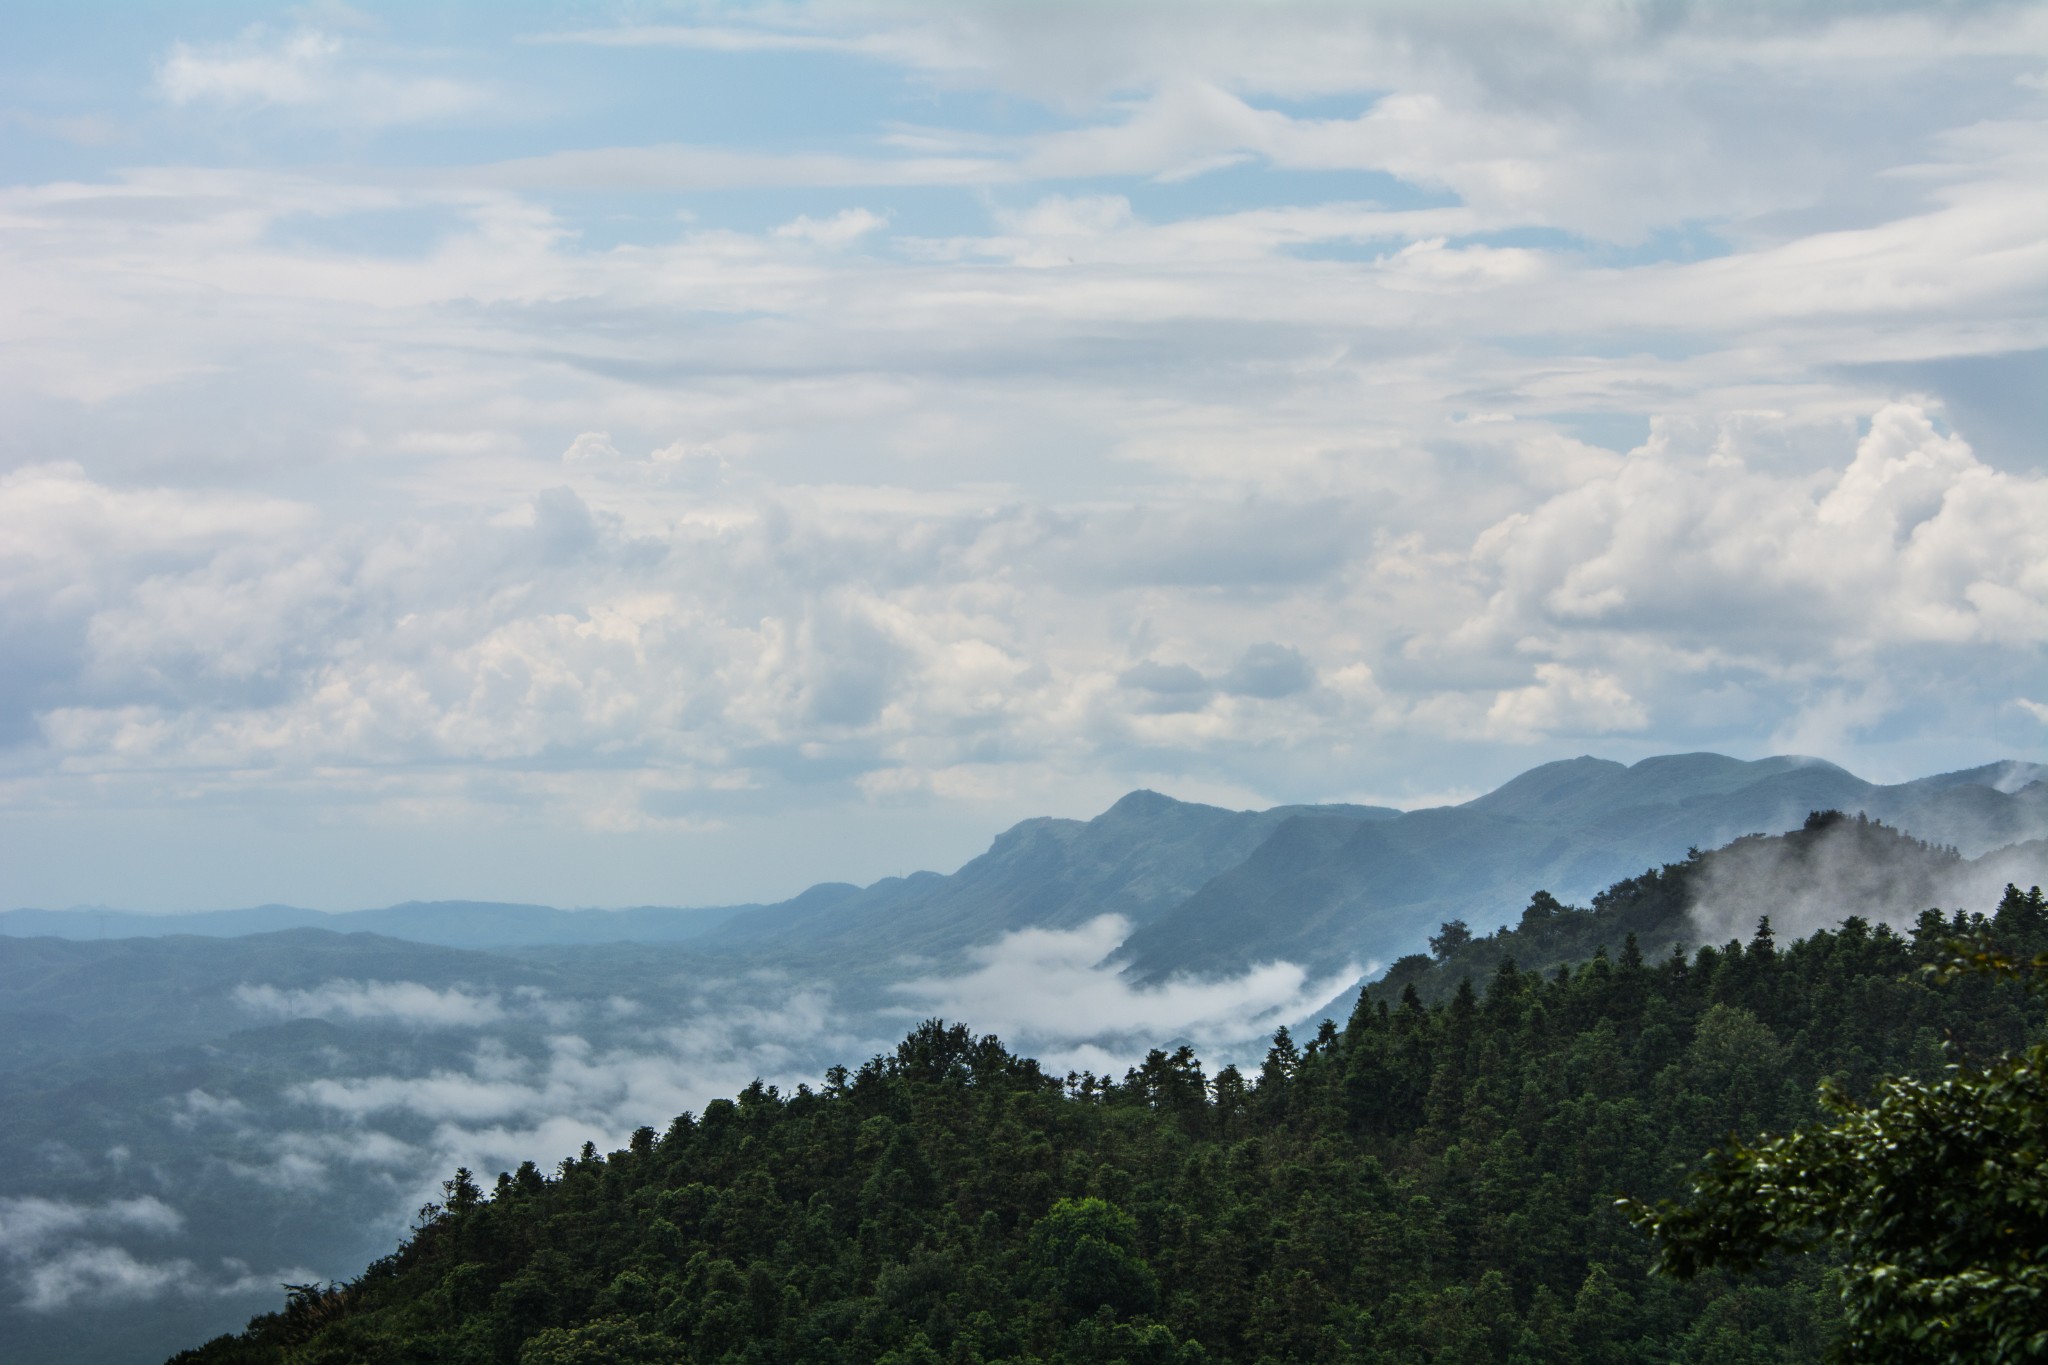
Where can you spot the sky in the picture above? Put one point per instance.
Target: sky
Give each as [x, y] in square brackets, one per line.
[648, 453]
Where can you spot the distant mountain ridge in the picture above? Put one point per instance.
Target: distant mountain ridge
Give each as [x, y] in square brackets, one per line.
[1213, 891]
[448, 924]
[1571, 827]
[1139, 859]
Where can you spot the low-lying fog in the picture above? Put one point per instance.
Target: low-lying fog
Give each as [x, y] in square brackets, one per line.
[300, 1142]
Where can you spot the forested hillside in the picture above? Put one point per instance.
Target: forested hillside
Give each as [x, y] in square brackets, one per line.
[1832, 862]
[1431, 1182]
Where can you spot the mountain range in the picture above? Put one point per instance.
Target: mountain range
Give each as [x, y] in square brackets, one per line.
[1211, 891]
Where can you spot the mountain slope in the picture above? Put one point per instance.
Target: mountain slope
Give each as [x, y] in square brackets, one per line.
[1573, 827]
[1139, 859]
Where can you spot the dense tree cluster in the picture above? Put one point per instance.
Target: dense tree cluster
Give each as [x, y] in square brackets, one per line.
[1859, 861]
[1433, 1182]
[1933, 1193]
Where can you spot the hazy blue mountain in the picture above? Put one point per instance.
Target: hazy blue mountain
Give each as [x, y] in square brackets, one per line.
[454, 924]
[1717, 798]
[1140, 858]
[99, 921]
[1324, 895]
[1211, 890]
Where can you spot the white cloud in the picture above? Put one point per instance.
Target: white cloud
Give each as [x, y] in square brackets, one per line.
[98, 1274]
[516, 1101]
[713, 1047]
[669, 630]
[1836, 876]
[101, 1274]
[516, 1098]
[198, 1106]
[1564, 700]
[305, 69]
[288, 72]
[1914, 542]
[399, 1002]
[29, 1225]
[57, 1256]
[300, 1162]
[1054, 994]
[846, 226]
[650, 532]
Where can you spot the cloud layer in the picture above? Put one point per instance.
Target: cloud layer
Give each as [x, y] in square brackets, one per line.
[1053, 994]
[399, 1002]
[1346, 403]
[60, 1255]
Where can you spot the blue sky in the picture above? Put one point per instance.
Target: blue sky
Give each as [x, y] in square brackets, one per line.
[675, 453]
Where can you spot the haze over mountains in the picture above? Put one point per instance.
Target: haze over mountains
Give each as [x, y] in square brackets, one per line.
[450, 924]
[1211, 891]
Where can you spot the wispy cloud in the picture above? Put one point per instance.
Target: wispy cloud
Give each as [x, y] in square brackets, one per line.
[30, 1225]
[57, 1255]
[310, 70]
[848, 225]
[399, 1002]
[99, 1274]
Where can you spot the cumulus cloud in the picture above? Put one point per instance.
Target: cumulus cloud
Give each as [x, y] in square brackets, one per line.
[1299, 403]
[1914, 542]
[1564, 700]
[790, 634]
[1146, 465]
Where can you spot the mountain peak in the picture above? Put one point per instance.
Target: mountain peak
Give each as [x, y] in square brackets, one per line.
[2007, 776]
[1142, 802]
[1549, 783]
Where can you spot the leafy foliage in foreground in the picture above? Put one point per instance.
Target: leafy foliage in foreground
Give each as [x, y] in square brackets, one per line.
[1935, 1194]
[1432, 1183]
